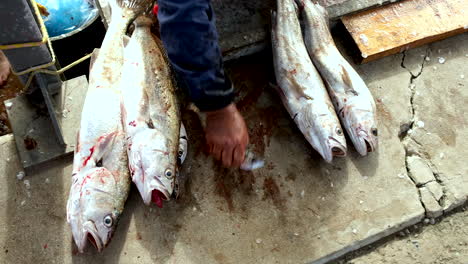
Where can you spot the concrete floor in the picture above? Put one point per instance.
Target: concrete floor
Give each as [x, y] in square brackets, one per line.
[297, 209]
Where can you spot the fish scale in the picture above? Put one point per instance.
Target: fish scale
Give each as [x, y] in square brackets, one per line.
[300, 86]
[94, 205]
[151, 115]
[352, 99]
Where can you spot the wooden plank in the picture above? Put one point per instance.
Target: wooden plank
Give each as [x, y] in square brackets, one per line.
[400, 26]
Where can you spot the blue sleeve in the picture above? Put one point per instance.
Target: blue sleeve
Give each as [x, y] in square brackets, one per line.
[189, 36]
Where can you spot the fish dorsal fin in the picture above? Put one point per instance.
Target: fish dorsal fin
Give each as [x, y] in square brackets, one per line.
[93, 58]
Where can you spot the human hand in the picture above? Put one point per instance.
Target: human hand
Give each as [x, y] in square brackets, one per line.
[226, 135]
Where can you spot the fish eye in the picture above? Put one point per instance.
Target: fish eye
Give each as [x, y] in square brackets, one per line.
[168, 173]
[108, 221]
[339, 131]
[374, 131]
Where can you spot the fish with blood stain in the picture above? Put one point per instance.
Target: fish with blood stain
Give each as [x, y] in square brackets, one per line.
[149, 95]
[91, 150]
[101, 138]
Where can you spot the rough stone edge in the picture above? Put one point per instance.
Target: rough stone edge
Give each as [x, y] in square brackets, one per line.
[412, 220]
[5, 139]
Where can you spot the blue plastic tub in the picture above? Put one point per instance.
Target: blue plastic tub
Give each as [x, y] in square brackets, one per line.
[67, 17]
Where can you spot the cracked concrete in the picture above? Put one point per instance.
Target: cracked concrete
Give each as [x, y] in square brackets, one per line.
[418, 170]
[439, 102]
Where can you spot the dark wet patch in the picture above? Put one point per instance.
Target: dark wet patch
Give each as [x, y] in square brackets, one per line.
[262, 126]
[291, 176]
[224, 184]
[220, 258]
[228, 181]
[270, 166]
[272, 192]
[249, 99]
[29, 143]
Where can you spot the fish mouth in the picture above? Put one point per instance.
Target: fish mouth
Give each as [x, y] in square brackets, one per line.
[365, 146]
[158, 196]
[337, 148]
[338, 152]
[369, 146]
[90, 235]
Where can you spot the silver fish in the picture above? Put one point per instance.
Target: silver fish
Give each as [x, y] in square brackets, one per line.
[100, 179]
[352, 99]
[300, 85]
[151, 115]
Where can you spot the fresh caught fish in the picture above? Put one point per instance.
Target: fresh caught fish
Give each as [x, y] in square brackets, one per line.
[300, 85]
[151, 115]
[100, 178]
[353, 101]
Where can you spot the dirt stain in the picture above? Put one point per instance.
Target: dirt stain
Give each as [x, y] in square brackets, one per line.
[29, 143]
[249, 99]
[224, 184]
[228, 181]
[291, 176]
[220, 258]
[383, 112]
[263, 125]
[272, 192]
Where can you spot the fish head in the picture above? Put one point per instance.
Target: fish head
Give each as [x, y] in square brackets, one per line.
[154, 166]
[94, 211]
[362, 129]
[324, 133]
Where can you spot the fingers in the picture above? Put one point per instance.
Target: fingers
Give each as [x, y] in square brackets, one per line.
[216, 152]
[239, 155]
[227, 156]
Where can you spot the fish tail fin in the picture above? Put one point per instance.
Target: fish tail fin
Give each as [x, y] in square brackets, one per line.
[142, 5]
[144, 20]
[134, 7]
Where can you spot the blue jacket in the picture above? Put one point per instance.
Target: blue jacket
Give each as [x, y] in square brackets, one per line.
[189, 35]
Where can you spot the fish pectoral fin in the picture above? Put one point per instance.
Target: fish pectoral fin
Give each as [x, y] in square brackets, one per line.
[93, 59]
[104, 143]
[125, 40]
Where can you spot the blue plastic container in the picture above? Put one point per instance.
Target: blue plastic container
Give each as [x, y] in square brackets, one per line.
[67, 17]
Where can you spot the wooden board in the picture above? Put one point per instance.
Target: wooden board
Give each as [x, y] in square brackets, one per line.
[407, 24]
